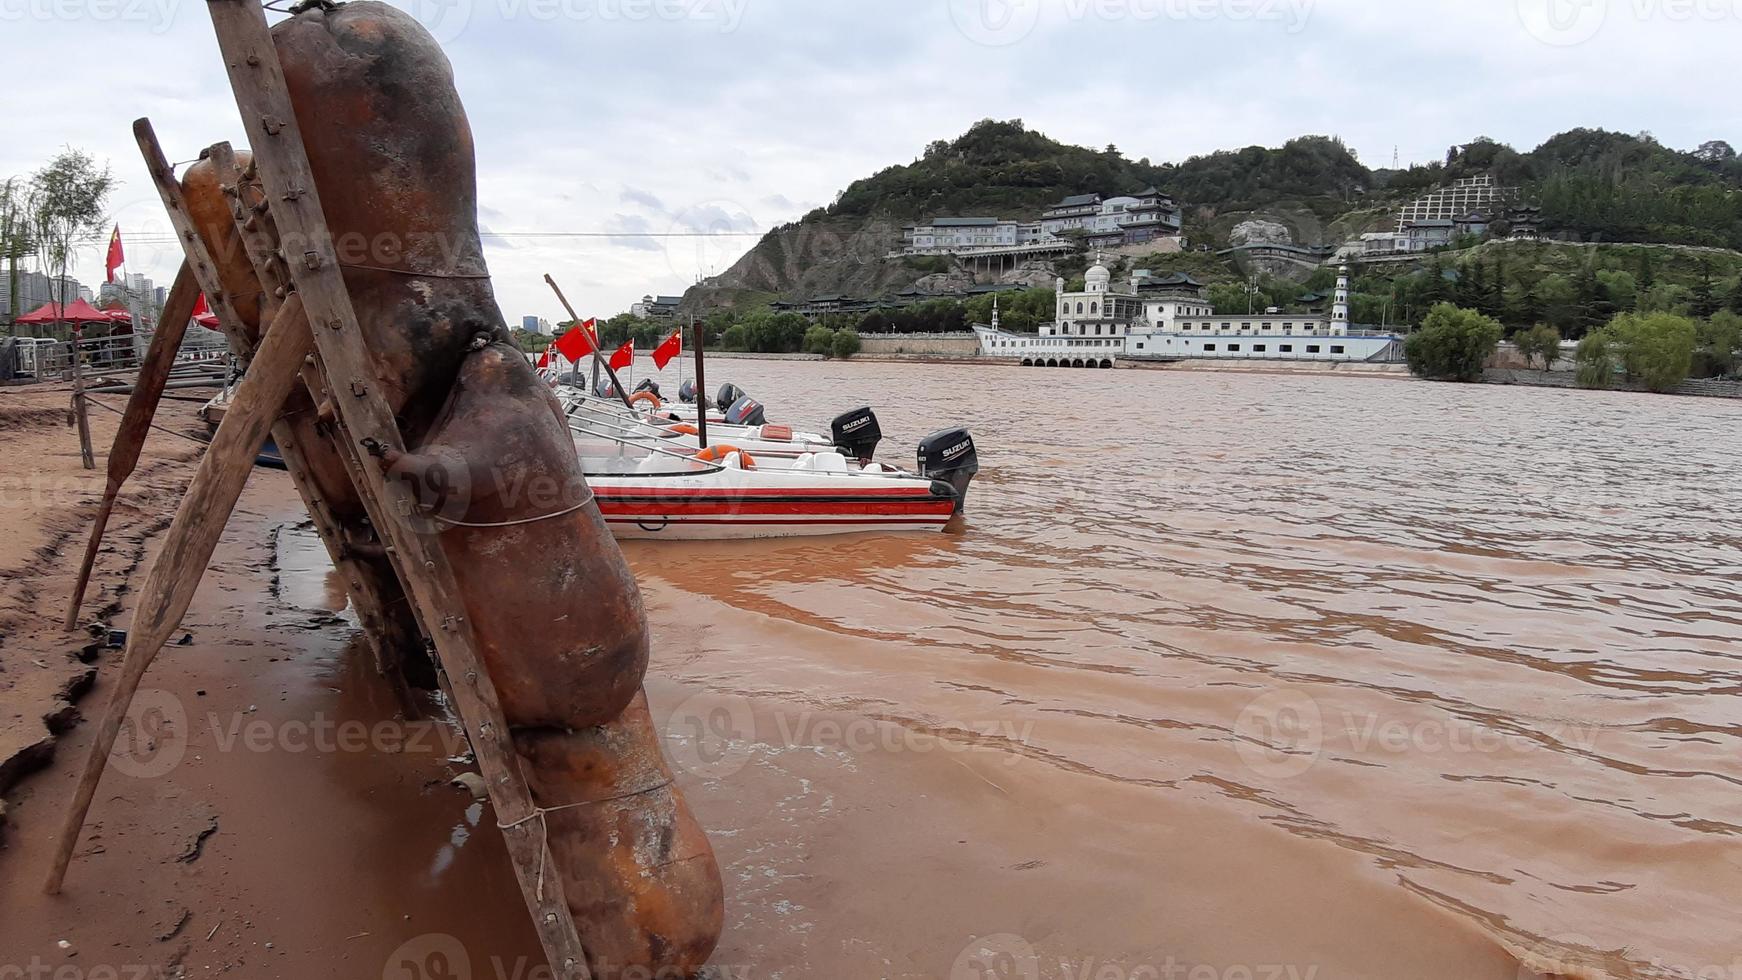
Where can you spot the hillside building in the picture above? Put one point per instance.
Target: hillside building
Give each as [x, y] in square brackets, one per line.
[656, 307]
[1133, 219]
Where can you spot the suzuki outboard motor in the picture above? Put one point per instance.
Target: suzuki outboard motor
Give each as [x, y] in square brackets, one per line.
[686, 393]
[729, 394]
[949, 457]
[745, 411]
[648, 384]
[857, 434]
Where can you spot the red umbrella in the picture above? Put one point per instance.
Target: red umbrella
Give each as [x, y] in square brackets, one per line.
[78, 311]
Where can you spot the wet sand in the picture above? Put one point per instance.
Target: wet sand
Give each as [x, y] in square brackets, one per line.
[1365, 678]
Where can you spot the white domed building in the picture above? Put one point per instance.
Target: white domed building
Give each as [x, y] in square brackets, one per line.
[1170, 319]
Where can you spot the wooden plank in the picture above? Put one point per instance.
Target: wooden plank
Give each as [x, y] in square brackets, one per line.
[383, 629]
[199, 522]
[172, 326]
[387, 618]
[365, 419]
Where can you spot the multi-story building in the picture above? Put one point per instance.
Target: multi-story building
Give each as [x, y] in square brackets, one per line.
[1132, 220]
[1106, 222]
[35, 290]
[955, 234]
[656, 307]
[535, 324]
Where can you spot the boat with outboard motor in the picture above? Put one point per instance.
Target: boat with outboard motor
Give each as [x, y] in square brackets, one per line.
[654, 485]
[744, 425]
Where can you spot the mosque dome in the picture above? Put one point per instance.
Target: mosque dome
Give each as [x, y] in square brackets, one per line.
[1097, 279]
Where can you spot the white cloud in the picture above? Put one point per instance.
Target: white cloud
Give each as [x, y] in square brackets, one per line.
[621, 117]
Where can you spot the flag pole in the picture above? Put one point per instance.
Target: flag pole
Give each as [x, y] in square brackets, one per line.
[598, 359]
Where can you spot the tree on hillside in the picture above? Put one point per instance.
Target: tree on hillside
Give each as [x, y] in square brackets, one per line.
[1539, 344]
[1717, 343]
[1705, 295]
[1452, 344]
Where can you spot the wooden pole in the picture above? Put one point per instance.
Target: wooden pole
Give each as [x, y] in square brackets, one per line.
[366, 421]
[177, 570]
[136, 421]
[701, 337]
[593, 341]
[80, 410]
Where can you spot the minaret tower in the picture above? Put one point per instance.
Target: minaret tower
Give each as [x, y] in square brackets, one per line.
[1340, 304]
[994, 311]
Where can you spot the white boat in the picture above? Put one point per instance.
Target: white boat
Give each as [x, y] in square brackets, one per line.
[854, 434]
[647, 488]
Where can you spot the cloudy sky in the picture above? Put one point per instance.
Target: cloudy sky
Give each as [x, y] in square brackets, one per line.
[608, 129]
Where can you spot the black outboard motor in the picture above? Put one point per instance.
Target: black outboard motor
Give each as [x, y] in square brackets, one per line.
[729, 394]
[745, 411]
[686, 393]
[648, 384]
[857, 434]
[949, 457]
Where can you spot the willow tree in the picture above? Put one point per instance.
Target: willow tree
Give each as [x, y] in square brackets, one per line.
[67, 208]
[15, 239]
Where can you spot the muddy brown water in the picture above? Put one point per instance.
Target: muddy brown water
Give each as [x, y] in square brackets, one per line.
[1228, 676]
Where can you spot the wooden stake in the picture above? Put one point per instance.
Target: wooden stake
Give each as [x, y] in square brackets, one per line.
[79, 408]
[136, 421]
[177, 570]
[365, 420]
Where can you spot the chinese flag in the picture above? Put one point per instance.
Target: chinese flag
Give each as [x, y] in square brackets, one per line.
[577, 343]
[624, 357]
[544, 359]
[672, 347]
[116, 257]
[202, 308]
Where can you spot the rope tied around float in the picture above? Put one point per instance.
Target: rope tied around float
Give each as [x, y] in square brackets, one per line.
[540, 812]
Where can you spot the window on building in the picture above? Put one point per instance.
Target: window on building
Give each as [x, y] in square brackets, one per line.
[1259, 348]
[1312, 348]
[1336, 349]
[1286, 349]
[1234, 348]
[1209, 347]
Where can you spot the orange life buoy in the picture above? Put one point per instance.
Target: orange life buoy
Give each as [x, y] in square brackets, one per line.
[645, 396]
[682, 429]
[716, 454]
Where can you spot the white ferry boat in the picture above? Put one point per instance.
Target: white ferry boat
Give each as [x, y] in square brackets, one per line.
[1171, 319]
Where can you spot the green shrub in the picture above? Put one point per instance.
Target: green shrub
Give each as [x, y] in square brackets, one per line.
[1596, 361]
[1541, 343]
[1453, 344]
[1653, 349]
[846, 343]
[819, 340]
[1656, 349]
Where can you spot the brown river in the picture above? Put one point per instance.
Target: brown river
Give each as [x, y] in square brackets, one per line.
[1228, 677]
[1243, 674]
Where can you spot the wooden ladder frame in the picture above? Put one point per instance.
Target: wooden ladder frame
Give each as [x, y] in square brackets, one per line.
[339, 371]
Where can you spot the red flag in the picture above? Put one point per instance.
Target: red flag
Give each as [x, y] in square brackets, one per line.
[544, 359]
[576, 343]
[624, 357]
[202, 308]
[116, 257]
[672, 347]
